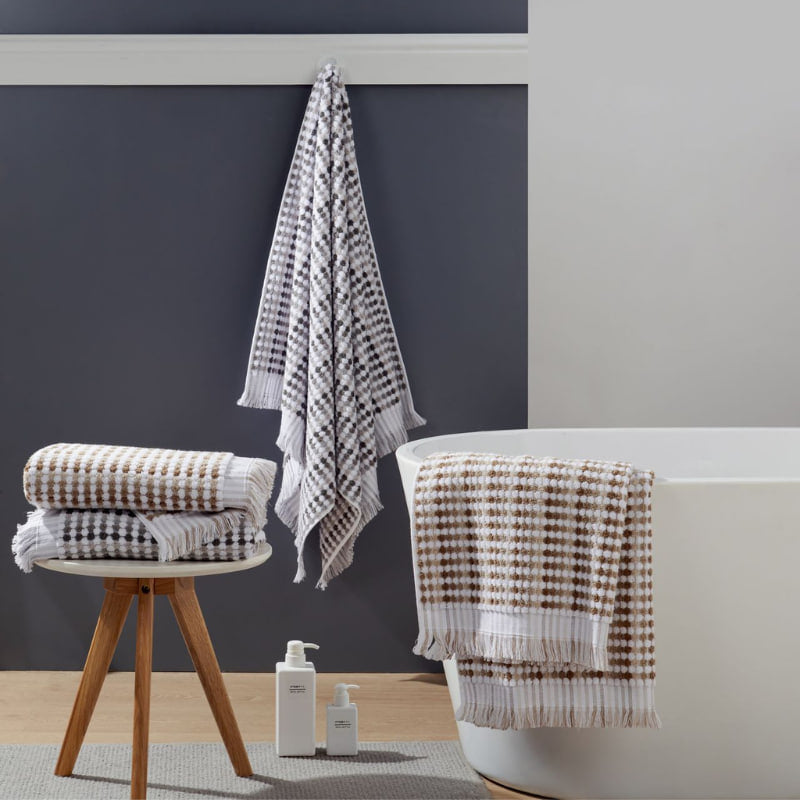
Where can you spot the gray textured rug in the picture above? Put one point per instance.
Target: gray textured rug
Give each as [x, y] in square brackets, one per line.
[385, 770]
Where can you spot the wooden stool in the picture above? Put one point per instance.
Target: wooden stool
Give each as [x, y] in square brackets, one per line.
[123, 580]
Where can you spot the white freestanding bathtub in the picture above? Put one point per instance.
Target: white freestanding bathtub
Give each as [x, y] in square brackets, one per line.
[726, 522]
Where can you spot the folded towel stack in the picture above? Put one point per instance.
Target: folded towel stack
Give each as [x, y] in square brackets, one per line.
[107, 501]
[536, 574]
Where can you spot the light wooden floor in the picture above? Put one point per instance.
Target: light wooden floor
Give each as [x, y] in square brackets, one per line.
[35, 706]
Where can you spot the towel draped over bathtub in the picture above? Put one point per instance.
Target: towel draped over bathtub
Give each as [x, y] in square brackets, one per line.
[95, 501]
[324, 350]
[536, 574]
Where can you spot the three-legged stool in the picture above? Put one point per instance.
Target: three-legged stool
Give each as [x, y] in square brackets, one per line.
[124, 580]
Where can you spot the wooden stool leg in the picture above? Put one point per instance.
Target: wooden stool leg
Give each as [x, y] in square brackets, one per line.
[106, 635]
[193, 627]
[141, 694]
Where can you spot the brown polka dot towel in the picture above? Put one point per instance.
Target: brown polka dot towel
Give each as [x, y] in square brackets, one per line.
[111, 476]
[536, 574]
[324, 350]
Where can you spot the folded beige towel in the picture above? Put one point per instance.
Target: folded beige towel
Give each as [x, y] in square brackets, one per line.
[138, 478]
[536, 574]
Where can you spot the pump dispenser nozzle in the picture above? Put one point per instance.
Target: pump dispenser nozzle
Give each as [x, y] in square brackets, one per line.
[295, 652]
[341, 695]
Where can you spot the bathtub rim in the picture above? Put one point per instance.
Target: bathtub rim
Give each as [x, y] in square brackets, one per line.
[407, 456]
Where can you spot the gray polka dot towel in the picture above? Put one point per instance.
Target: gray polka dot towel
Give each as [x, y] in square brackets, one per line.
[324, 350]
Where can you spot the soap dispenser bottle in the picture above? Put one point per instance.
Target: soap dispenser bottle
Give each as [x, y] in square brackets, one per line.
[295, 702]
[342, 733]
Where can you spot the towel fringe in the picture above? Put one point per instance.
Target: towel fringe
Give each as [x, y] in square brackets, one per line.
[494, 646]
[501, 717]
[26, 544]
[393, 424]
[204, 528]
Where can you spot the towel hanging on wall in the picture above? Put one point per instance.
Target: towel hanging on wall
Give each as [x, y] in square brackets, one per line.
[324, 350]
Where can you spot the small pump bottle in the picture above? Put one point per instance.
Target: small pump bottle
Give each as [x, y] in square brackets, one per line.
[342, 734]
[295, 702]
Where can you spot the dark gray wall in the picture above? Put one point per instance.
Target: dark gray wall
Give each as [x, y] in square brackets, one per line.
[263, 16]
[134, 229]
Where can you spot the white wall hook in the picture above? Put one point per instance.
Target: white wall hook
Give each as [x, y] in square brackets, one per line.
[323, 62]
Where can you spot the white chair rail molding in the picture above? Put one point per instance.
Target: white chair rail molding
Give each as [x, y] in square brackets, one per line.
[256, 59]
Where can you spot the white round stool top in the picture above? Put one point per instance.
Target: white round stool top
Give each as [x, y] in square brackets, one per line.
[131, 568]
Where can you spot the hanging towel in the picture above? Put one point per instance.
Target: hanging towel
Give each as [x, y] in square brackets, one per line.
[536, 575]
[324, 351]
[182, 499]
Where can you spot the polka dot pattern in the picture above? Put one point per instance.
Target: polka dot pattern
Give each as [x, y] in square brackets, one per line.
[536, 573]
[324, 350]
